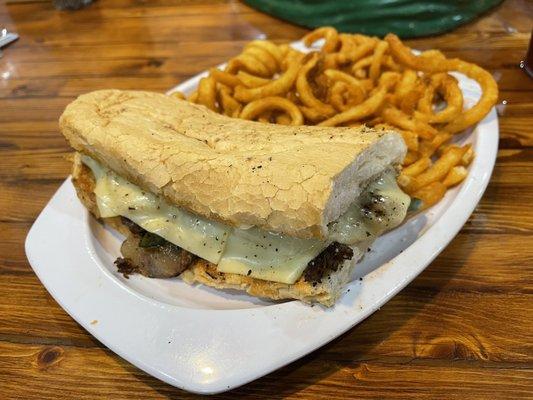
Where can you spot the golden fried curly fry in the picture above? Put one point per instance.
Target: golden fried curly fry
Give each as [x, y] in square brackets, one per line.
[275, 87]
[249, 63]
[396, 117]
[178, 95]
[228, 104]
[362, 50]
[193, 97]
[336, 96]
[428, 147]
[430, 194]
[427, 62]
[468, 156]
[283, 119]
[224, 77]
[356, 86]
[358, 112]
[489, 96]
[347, 46]
[332, 60]
[449, 89]
[360, 73]
[207, 93]
[305, 91]
[256, 107]
[367, 84]
[368, 107]
[264, 57]
[425, 103]
[434, 61]
[411, 139]
[350, 50]
[417, 167]
[265, 117]
[312, 115]
[409, 102]
[391, 64]
[362, 63]
[251, 81]
[436, 172]
[456, 175]
[275, 51]
[343, 96]
[284, 49]
[328, 33]
[375, 66]
[291, 55]
[407, 84]
[410, 158]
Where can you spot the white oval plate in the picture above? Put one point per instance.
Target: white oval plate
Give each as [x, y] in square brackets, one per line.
[209, 341]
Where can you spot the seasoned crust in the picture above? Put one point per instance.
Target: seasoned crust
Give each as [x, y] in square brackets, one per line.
[293, 180]
[326, 292]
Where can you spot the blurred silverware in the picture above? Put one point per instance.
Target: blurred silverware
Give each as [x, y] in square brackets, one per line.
[71, 4]
[6, 37]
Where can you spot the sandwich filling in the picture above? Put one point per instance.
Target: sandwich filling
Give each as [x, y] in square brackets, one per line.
[252, 252]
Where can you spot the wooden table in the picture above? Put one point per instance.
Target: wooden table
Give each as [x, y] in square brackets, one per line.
[462, 329]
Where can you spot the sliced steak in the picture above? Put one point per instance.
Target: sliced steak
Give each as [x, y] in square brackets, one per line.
[331, 258]
[132, 226]
[151, 255]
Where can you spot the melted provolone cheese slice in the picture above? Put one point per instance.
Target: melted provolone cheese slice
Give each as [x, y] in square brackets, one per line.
[116, 196]
[253, 252]
[269, 256]
[381, 207]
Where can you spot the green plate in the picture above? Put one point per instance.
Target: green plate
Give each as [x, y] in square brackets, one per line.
[406, 18]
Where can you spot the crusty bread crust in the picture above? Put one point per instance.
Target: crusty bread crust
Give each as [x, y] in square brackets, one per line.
[293, 180]
[325, 292]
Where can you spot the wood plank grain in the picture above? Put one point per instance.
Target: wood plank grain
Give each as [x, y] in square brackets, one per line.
[512, 168]
[44, 27]
[73, 372]
[25, 302]
[24, 164]
[92, 374]
[462, 329]
[193, 62]
[152, 53]
[509, 17]
[411, 379]
[72, 87]
[24, 52]
[474, 40]
[175, 47]
[188, 64]
[35, 195]
[463, 266]
[42, 109]
[12, 256]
